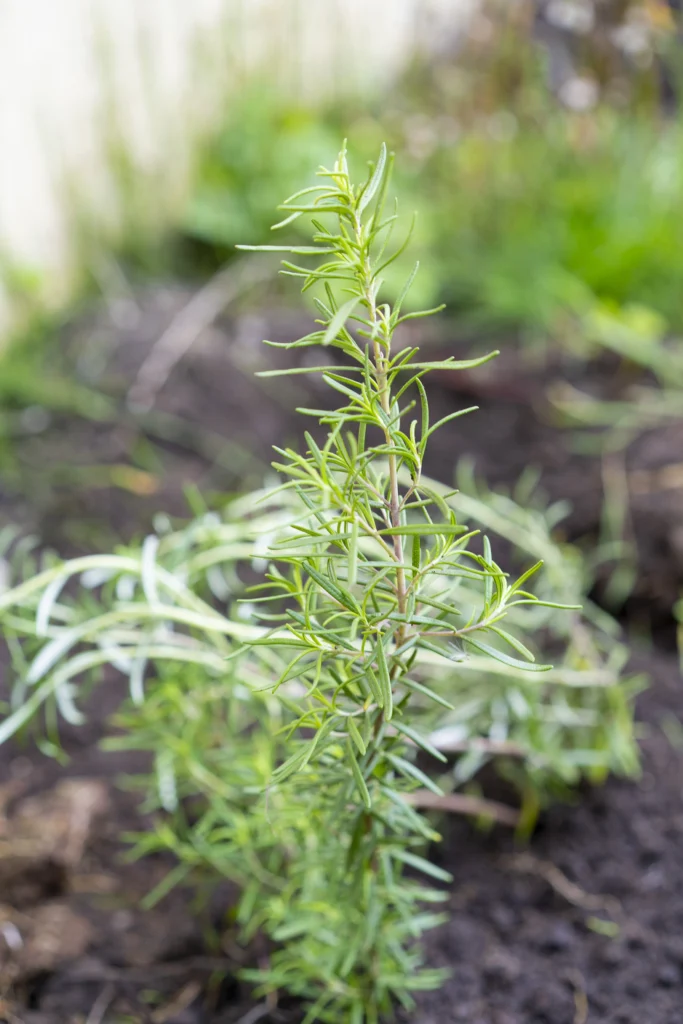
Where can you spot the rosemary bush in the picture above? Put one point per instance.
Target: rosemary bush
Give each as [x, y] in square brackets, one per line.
[300, 725]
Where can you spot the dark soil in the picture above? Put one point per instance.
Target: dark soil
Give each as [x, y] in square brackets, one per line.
[516, 426]
[583, 925]
[521, 941]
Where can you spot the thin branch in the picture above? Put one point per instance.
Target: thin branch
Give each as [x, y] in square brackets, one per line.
[440, 741]
[255, 1014]
[101, 1004]
[502, 748]
[558, 881]
[458, 803]
[199, 313]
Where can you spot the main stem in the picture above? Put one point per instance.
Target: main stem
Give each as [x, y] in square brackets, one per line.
[380, 359]
[394, 500]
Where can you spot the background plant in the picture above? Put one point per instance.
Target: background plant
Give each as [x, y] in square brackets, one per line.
[305, 718]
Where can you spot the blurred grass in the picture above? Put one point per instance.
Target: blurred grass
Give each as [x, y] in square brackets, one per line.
[531, 215]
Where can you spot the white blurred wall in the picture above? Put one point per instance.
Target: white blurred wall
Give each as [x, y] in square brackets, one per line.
[79, 78]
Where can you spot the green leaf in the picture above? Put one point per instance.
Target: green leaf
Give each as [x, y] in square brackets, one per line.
[278, 641]
[424, 430]
[47, 602]
[425, 866]
[167, 883]
[488, 583]
[455, 364]
[375, 181]
[148, 572]
[335, 591]
[416, 552]
[353, 554]
[409, 770]
[420, 313]
[374, 686]
[505, 659]
[404, 292]
[355, 735]
[299, 250]
[291, 765]
[166, 780]
[294, 370]
[339, 385]
[287, 220]
[514, 642]
[358, 776]
[419, 740]
[445, 419]
[384, 680]
[424, 530]
[525, 576]
[338, 320]
[401, 249]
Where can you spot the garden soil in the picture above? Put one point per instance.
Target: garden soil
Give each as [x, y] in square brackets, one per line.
[582, 925]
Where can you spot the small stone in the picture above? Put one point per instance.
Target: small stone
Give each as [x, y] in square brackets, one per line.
[636, 937]
[635, 986]
[559, 937]
[60, 821]
[503, 1017]
[464, 1012]
[597, 1001]
[626, 1016]
[654, 878]
[46, 837]
[616, 879]
[122, 920]
[550, 1004]
[52, 935]
[503, 919]
[668, 976]
[674, 951]
[612, 954]
[650, 840]
[500, 968]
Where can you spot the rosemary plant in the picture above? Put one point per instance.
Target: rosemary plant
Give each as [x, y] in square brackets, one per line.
[302, 711]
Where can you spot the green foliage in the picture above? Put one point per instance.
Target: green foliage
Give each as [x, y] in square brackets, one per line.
[297, 723]
[533, 216]
[34, 386]
[239, 183]
[554, 224]
[539, 212]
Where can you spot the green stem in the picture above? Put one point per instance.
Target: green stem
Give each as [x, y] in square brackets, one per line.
[380, 360]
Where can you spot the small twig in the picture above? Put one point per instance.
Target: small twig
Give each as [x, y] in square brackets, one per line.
[502, 748]
[101, 1005]
[94, 970]
[199, 313]
[458, 803]
[440, 741]
[580, 998]
[615, 482]
[7, 1014]
[180, 1001]
[116, 291]
[255, 1014]
[558, 881]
